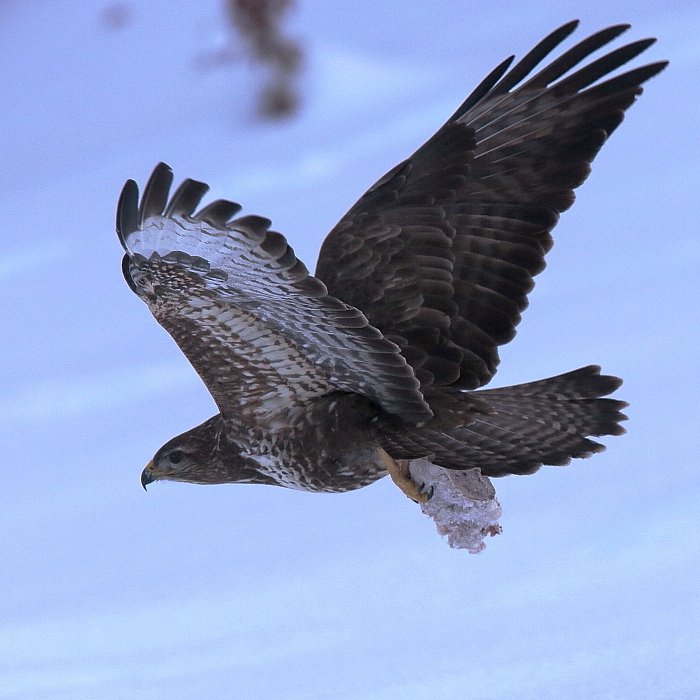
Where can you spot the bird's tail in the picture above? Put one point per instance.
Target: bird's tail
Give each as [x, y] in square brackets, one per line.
[517, 429]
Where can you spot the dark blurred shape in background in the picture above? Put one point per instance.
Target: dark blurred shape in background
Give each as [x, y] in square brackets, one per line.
[258, 22]
[116, 15]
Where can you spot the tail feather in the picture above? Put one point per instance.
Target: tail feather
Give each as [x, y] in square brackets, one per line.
[584, 383]
[526, 426]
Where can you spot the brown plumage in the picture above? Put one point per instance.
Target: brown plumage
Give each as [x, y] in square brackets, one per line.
[415, 289]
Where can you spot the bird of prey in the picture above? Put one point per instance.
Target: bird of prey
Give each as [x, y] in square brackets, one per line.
[325, 383]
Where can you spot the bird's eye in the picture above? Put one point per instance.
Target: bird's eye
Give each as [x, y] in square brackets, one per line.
[175, 457]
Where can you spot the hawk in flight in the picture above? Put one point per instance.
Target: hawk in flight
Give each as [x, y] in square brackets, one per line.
[328, 382]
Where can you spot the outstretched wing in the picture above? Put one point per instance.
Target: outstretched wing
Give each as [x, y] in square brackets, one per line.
[440, 254]
[263, 334]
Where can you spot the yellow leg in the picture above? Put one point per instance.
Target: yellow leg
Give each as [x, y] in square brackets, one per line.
[401, 476]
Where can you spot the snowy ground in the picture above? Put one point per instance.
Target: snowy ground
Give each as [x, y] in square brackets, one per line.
[254, 592]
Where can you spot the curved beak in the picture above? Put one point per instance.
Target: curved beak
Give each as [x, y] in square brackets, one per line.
[147, 475]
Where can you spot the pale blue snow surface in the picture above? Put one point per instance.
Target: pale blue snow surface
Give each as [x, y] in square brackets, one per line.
[254, 592]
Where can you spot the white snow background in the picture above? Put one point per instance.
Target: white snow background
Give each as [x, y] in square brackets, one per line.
[186, 592]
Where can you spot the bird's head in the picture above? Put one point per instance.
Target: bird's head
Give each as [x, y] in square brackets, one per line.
[203, 455]
[188, 457]
[172, 464]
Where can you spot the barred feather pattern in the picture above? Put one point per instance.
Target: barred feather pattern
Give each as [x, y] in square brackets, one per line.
[233, 293]
[524, 427]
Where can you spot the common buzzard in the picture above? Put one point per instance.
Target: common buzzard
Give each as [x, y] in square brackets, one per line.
[326, 382]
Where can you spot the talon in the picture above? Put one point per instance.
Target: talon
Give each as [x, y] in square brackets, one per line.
[421, 489]
[401, 476]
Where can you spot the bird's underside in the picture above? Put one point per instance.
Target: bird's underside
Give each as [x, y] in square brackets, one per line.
[324, 382]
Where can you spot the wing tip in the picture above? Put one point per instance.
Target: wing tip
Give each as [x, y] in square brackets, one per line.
[155, 194]
[566, 28]
[127, 211]
[186, 198]
[155, 201]
[130, 213]
[512, 79]
[218, 212]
